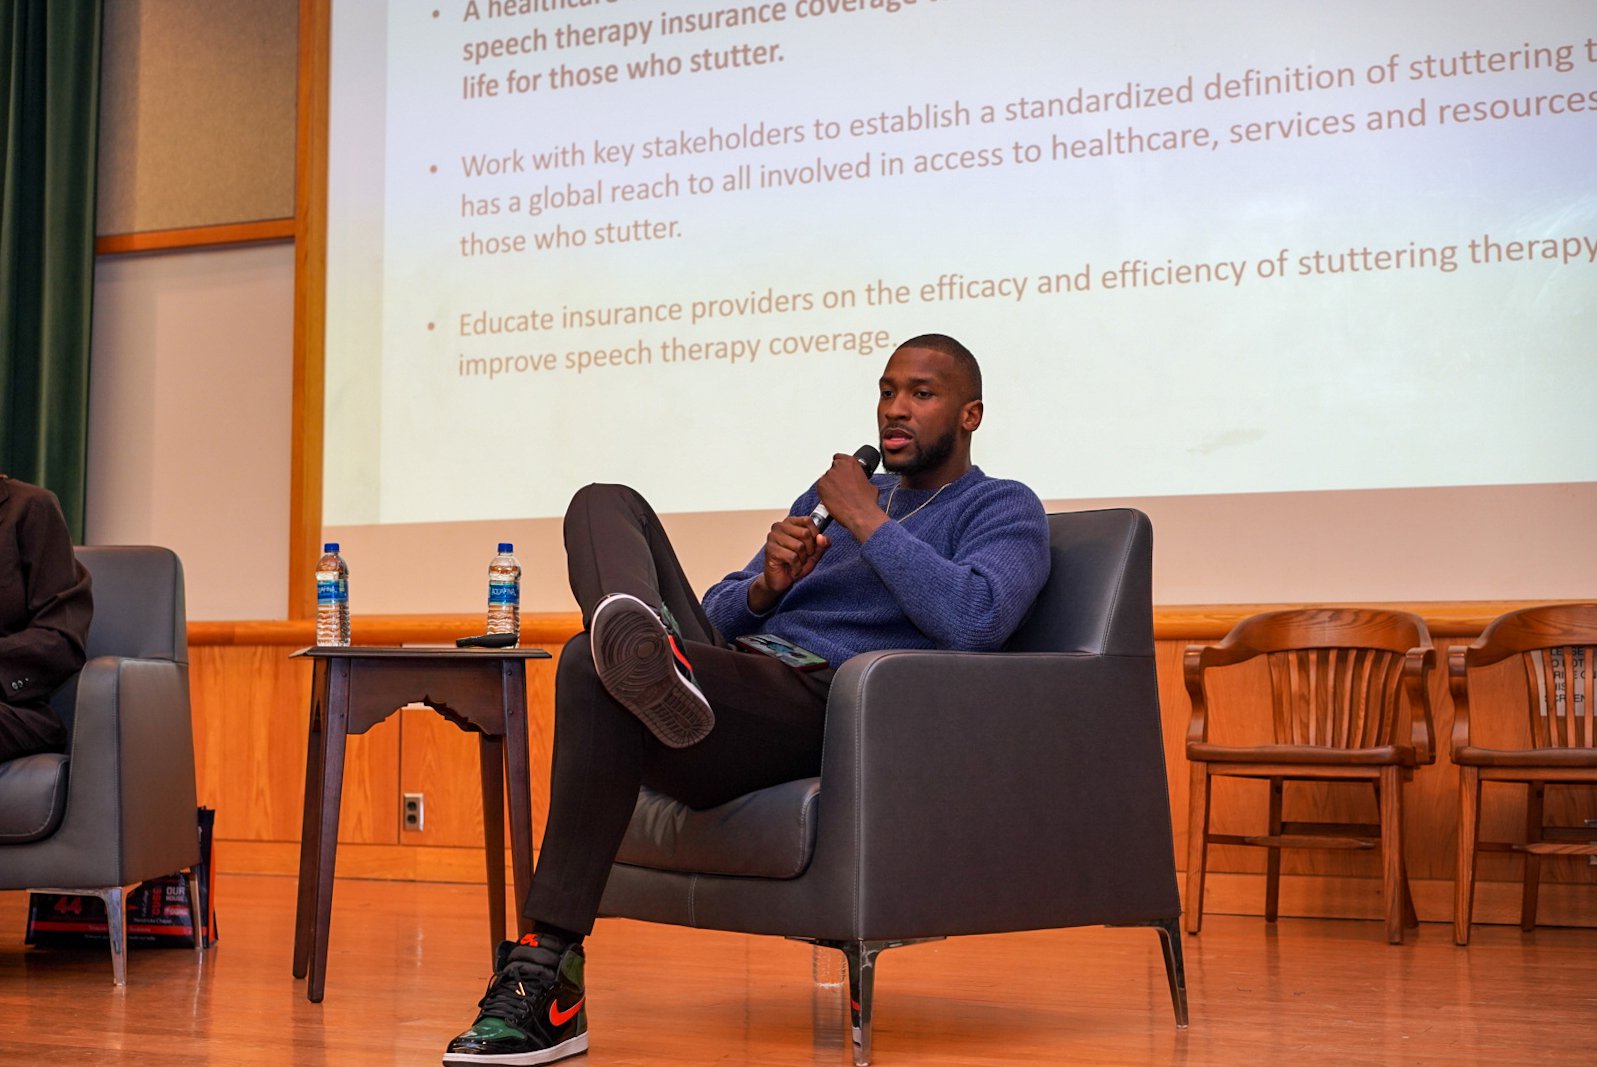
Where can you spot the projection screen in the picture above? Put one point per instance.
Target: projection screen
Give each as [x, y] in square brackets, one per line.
[1322, 276]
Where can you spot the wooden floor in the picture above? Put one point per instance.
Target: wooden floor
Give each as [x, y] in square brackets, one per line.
[409, 961]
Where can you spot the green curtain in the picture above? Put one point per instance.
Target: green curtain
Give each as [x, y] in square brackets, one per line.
[49, 125]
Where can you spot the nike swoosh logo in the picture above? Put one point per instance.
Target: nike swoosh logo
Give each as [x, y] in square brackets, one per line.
[560, 1018]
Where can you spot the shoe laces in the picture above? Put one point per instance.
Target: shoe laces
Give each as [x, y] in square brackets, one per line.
[674, 638]
[511, 992]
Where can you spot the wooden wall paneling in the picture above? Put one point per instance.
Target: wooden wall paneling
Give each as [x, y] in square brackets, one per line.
[540, 732]
[440, 761]
[370, 813]
[1174, 711]
[1430, 801]
[399, 863]
[250, 719]
[252, 713]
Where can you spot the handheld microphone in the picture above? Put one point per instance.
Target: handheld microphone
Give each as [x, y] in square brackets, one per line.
[868, 458]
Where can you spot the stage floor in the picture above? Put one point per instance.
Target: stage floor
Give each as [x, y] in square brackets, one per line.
[409, 960]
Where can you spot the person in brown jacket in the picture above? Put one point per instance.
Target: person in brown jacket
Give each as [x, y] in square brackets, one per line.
[45, 607]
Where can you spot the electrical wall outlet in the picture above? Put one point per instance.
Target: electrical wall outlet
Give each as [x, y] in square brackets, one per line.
[413, 812]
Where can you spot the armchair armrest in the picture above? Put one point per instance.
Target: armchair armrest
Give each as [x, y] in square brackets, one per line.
[130, 787]
[1012, 790]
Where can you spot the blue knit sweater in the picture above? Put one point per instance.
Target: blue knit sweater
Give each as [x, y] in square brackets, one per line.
[959, 574]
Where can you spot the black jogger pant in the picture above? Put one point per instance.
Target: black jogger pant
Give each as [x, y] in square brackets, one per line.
[768, 717]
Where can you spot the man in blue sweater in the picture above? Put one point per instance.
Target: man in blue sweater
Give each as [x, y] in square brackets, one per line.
[933, 554]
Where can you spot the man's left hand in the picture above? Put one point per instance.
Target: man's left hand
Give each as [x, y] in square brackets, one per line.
[850, 497]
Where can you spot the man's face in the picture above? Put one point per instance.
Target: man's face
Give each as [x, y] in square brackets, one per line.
[921, 411]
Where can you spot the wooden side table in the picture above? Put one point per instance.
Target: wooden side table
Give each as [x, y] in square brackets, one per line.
[353, 689]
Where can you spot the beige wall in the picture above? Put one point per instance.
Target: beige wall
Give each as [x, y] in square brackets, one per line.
[193, 350]
[189, 418]
[191, 401]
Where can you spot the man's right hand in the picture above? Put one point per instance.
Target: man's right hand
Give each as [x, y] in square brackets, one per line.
[792, 549]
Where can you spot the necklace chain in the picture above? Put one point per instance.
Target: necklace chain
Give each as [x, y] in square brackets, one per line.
[891, 493]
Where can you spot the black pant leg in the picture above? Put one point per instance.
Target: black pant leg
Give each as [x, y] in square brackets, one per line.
[593, 787]
[768, 729]
[26, 730]
[769, 719]
[616, 544]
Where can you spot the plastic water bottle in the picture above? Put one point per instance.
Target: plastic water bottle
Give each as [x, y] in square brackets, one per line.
[332, 598]
[504, 592]
[828, 967]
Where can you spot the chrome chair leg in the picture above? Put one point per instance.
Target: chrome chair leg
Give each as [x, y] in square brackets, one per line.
[1175, 969]
[861, 956]
[115, 899]
[861, 995]
[202, 939]
[116, 914]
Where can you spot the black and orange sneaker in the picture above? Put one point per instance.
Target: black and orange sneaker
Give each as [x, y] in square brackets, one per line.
[639, 656]
[535, 1010]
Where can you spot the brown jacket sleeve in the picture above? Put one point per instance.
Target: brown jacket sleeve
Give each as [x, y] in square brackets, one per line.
[45, 603]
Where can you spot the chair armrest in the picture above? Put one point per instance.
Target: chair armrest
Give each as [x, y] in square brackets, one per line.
[1458, 685]
[1009, 789]
[130, 790]
[1192, 667]
[1195, 660]
[1417, 667]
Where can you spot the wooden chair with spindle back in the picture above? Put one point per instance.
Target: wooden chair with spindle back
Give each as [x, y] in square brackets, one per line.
[1338, 679]
[1556, 645]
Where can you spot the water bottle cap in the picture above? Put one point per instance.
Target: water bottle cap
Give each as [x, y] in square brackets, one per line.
[506, 546]
[331, 546]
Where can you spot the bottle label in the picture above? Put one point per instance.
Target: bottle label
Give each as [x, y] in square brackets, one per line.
[500, 592]
[331, 588]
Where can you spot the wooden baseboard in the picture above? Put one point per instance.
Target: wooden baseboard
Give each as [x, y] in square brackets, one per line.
[1328, 897]
[392, 863]
[1302, 896]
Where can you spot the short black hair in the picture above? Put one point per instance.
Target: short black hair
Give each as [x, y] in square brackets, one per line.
[962, 357]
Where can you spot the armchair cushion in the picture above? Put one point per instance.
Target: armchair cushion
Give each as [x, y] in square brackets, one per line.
[33, 796]
[769, 833]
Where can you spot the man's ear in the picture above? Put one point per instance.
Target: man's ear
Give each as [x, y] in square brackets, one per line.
[970, 416]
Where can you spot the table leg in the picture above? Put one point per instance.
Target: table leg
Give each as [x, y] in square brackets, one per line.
[518, 775]
[490, 757]
[336, 727]
[310, 822]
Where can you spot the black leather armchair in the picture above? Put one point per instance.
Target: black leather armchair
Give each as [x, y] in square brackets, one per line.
[119, 807]
[960, 793]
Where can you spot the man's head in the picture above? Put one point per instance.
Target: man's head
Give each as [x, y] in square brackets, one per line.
[929, 405]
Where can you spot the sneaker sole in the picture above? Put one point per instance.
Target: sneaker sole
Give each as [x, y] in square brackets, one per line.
[632, 653]
[574, 1046]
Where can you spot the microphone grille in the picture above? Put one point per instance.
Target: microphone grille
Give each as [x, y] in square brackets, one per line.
[868, 458]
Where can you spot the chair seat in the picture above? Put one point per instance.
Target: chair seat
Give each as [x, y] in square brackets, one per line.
[33, 797]
[769, 833]
[1573, 759]
[1316, 755]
